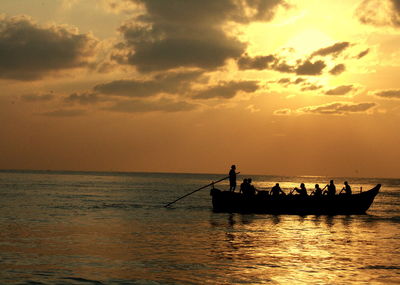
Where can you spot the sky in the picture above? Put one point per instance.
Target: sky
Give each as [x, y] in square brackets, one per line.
[275, 87]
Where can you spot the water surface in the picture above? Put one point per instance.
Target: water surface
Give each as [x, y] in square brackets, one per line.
[112, 228]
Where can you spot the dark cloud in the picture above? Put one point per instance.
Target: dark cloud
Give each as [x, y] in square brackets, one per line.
[363, 53]
[65, 113]
[306, 67]
[338, 108]
[29, 51]
[283, 66]
[379, 12]
[311, 87]
[227, 90]
[299, 80]
[310, 68]
[388, 94]
[37, 97]
[285, 81]
[174, 82]
[258, 62]
[145, 106]
[334, 49]
[337, 69]
[303, 84]
[84, 98]
[340, 90]
[189, 33]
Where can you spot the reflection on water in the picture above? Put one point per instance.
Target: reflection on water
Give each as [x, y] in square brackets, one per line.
[306, 249]
[113, 229]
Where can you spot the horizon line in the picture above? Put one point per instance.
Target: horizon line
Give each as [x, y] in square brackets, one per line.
[166, 172]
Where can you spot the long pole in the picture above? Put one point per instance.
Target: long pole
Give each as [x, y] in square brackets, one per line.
[212, 183]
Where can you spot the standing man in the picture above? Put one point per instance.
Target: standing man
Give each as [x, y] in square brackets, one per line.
[232, 178]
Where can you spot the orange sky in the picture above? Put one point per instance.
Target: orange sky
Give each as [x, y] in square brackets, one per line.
[277, 87]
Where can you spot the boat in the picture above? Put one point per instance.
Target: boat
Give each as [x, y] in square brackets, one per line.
[263, 203]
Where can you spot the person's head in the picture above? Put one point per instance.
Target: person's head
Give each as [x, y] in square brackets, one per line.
[233, 166]
[345, 183]
[302, 185]
[316, 186]
[245, 180]
[331, 182]
[249, 180]
[277, 184]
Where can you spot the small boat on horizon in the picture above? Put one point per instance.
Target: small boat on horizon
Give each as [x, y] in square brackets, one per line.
[233, 202]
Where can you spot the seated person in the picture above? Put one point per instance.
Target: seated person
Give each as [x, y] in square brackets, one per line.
[346, 189]
[302, 191]
[276, 190]
[317, 191]
[331, 189]
[244, 186]
[251, 190]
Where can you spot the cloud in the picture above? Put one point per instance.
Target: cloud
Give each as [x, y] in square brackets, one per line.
[388, 94]
[252, 109]
[311, 87]
[303, 84]
[30, 51]
[227, 90]
[37, 97]
[258, 62]
[84, 98]
[65, 113]
[333, 50]
[173, 82]
[299, 80]
[337, 108]
[146, 106]
[379, 12]
[285, 81]
[310, 68]
[277, 63]
[363, 53]
[337, 69]
[340, 90]
[176, 33]
[282, 112]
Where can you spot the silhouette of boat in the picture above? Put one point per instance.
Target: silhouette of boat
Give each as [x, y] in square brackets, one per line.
[233, 202]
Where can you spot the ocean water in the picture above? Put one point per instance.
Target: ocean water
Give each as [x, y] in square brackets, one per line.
[112, 228]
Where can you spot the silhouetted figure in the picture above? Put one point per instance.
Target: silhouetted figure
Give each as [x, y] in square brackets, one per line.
[232, 178]
[244, 186]
[346, 189]
[251, 190]
[302, 191]
[331, 191]
[276, 190]
[317, 191]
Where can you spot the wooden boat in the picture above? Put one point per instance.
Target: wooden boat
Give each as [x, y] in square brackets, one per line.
[233, 202]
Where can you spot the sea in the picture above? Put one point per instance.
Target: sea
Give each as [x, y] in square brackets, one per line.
[60, 227]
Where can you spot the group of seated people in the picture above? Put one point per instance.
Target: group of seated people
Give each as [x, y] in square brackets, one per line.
[248, 189]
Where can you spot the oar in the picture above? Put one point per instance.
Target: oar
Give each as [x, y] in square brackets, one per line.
[212, 183]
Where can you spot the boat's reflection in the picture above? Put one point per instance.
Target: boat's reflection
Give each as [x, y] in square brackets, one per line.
[326, 221]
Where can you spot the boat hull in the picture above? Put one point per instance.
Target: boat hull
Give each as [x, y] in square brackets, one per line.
[231, 202]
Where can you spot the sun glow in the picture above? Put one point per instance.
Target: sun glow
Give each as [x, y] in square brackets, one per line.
[308, 40]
